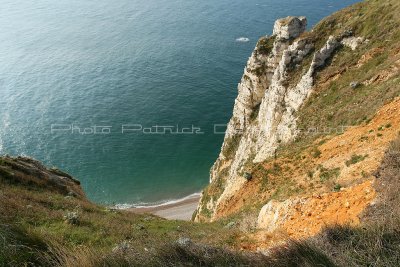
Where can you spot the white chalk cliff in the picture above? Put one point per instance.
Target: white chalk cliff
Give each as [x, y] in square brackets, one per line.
[264, 113]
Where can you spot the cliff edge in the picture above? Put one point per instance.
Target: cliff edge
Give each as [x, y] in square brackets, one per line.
[314, 115]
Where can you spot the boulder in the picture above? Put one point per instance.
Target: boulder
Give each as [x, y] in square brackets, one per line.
[352, 42]
[354, 85]
[184, 241]
[72, 218]
[123, 247]
[273, 214]
[248, 176]
[230, 225]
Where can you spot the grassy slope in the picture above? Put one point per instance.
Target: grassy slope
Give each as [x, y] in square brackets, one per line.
[334, 103]
[32, 219]
[33, 233]
[377, 241]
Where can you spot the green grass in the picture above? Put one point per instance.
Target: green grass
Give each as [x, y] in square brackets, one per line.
[335, 105]
[316, 153]
[254, 114]
[328, 174]
[6, 174]
[213, 190]
[35, 214]
[285, 190]
[337, 187]
[265, 45]
[355, 159]
[231, 145]
[370, 245]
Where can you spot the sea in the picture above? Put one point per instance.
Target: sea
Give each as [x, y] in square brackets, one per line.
[131, 97]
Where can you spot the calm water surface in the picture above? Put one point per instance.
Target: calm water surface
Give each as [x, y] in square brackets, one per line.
[111, 63]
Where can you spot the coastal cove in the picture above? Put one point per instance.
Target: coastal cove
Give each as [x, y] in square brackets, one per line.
[213, 133]
[144, 64]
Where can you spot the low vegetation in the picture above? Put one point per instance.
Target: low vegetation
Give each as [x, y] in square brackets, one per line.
[34, 231]
[334, 104]
[355, 159]
[328, 174]
[265, 45]
[231, 145]
[377, 241]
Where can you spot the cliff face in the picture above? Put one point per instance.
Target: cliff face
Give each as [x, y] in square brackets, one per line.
[280, 76]
[264, 114]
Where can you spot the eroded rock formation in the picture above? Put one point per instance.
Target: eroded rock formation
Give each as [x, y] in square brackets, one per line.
[277, 79]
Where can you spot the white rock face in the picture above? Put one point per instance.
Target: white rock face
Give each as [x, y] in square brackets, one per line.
[264, 114]
[352, 42]
[273, 214]
[289, 27]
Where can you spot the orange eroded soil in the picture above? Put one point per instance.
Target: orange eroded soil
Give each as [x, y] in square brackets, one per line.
[315, 204]
[342, 207]
[301, 174]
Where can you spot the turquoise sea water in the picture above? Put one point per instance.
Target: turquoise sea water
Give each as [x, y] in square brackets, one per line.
[112, 63]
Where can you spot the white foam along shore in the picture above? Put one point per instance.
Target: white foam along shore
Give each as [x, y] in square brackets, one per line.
[157, 204]
[178, 209]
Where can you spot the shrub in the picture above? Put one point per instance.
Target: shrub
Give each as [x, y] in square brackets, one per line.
[265, 45]
[316, 153]
[328, 174]
[337, 187]
[355, 159]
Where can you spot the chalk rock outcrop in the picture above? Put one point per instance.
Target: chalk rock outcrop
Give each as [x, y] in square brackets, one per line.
[352, 42]
[289, 27]
[273, 214]
[275, 83]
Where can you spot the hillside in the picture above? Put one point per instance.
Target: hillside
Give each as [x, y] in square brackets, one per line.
[308, 173]
[45, 219]
[314, 114]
